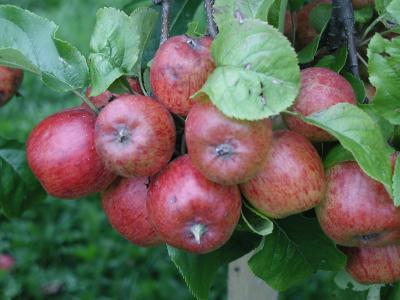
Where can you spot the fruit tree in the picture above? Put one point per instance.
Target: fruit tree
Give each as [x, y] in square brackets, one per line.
[268, 127]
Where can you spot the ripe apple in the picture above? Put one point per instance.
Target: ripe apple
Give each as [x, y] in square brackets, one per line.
[357, 4]
[10, 81]
[225, 150]
[6, 262]
[179, 69]
[135, 136]
[189, 211]
[357, 211]
[61, 153]
[291, 180]
[106, 97]
[124, 203]
[374, 265]
[305, 32]
[320, 89]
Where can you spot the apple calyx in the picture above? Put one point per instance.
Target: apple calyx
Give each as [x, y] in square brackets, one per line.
[198, 230]
[225, 150]
[123, 135]
[369, 236]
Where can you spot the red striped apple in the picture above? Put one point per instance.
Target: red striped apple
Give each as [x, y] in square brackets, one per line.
[225, 150]
[190, 212]
[10, 81]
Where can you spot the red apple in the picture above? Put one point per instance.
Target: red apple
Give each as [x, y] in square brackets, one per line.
[6, 262]
[61, 153]
[305, 32]
[10, 81]
[135, 136]
[320, 89]
[225, 150]
[179, 69]
[106, 97]
[189, 211]
[357, 4]
[374, 265]
[292, 179]
[357, 211]
[124, 203]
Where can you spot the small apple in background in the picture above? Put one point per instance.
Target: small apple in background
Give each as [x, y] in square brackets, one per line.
[357, 4]
[135, 136]
[124, 203]
[305, 32]
[320, 89]
[179, 69]
[291, 180]
[357, 211]
[61, 153]
[10, 81]
[106, 97]
[225, 150]
[7, 262]
[374, 265]
[189, 211]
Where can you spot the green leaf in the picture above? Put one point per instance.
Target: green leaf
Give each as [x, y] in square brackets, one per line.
[394, 10]
[296, 249]
[117, 45]
[227, 11]
[256, 221]
[257, 74]
[337, 155]
[396, 183]
[385, 126]
[321, 15]
[335, 62]
[198, 270]
[357, 85]
[363, 15]
[359, 134]
[29, 42]
[384, 74]
[19, 189]
[345, 281]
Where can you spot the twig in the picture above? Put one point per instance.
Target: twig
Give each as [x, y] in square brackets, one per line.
[362, 60]
[164, 19]
[212, 27]
[342, 26]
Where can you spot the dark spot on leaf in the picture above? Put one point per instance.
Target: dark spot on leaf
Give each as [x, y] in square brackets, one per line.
[239, 16]
[236, 269]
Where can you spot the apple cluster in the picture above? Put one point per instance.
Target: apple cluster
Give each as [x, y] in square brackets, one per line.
[152, 193]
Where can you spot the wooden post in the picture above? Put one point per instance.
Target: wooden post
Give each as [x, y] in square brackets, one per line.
[243, 285]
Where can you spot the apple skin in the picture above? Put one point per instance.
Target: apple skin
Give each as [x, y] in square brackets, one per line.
[189, 211]
[10, 81]
[124, 204]
[135, 136]
[357, 4]
[374, 265]
[357, 211]
[62, 155]
[320, 89]
[7, 262]
[225, 150]
[106, 97]
[291, 180]
[179, 69]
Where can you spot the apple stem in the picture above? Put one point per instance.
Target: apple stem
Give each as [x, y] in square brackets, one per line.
[197, 230]
[212, 27]
[164, 19]
[86, 100]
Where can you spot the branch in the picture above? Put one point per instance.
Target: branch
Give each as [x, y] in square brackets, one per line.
[164, 19]
[342, 26]
[212, 27]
